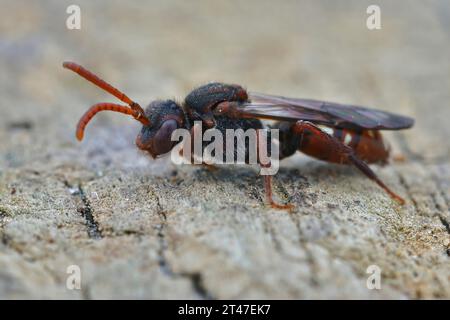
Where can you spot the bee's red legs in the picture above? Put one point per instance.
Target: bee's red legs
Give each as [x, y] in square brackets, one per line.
[210, 167]
[269, 198]
[195, 130]
[338, 149]
[262, 144]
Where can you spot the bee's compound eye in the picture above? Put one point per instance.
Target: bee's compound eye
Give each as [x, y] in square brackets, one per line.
[162, 140]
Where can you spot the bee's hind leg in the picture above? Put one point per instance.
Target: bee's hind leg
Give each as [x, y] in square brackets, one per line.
[269, 195]
[338, 152]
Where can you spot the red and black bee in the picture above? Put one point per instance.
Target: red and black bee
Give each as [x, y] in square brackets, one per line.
[332, 132]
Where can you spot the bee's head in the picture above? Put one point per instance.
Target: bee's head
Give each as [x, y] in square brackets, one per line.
[165, 116]
[159, 120]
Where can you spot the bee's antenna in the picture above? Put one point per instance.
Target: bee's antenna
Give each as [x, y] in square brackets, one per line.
[105, 86]
[96, 108]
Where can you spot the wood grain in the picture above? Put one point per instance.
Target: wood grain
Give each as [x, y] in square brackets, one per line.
[148, 229]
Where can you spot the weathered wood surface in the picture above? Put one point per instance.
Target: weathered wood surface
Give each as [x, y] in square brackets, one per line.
[147, 229]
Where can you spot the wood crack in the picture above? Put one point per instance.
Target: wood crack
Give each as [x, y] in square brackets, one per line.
[195, 278]
[85, 209]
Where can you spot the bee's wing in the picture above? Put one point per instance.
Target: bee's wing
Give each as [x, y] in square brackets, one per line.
[337, 115]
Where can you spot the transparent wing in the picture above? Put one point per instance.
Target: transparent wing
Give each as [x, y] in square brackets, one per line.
[334, 114]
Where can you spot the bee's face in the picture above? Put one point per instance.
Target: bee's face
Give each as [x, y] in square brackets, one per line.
[165, 117]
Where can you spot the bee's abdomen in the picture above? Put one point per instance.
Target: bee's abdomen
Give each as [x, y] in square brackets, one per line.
[368, 145]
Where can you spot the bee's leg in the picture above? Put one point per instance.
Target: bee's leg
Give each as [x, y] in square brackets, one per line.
[364, 168]
[269, 198]
[210, 167]
[340, 150]
[195, 131]
[262, 144]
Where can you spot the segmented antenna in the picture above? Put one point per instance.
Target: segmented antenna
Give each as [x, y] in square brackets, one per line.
[134, 109]
[96, 108]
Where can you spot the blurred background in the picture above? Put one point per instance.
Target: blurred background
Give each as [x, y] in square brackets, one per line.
[163, 49]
